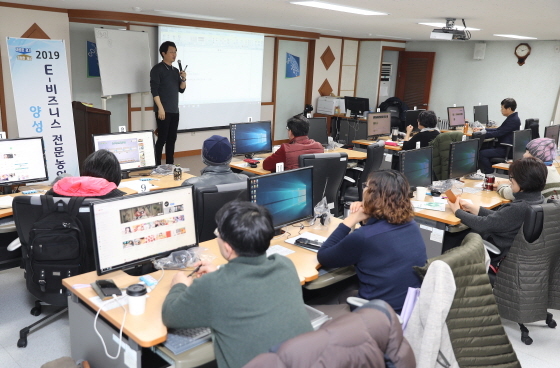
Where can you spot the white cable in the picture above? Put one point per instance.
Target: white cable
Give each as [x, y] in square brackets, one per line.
[120, 332]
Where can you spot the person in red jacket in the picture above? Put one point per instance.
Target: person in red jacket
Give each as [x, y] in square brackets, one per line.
[288, 153]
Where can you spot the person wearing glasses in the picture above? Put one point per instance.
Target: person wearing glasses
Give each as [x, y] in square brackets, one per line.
[386, 247]
[300, 144]
[253, 302]
[528, 179]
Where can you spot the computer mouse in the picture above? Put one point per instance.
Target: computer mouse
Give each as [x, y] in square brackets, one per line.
[254, 166]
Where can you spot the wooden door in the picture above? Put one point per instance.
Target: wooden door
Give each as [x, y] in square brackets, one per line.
[414, 78]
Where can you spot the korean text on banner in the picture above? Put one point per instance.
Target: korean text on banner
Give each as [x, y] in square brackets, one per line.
[42, 99]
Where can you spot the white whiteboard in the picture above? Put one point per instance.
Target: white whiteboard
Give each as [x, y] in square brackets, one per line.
[124, 61]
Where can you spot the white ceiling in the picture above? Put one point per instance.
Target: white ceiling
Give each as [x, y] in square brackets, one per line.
[533, 18]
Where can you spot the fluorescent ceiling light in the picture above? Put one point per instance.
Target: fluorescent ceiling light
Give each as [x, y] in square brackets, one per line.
[189, 15]
[442, 25]
[400, 38]
[516, 36]
[319, 29]
[335, 7]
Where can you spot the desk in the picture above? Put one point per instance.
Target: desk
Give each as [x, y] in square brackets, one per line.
[239, 163]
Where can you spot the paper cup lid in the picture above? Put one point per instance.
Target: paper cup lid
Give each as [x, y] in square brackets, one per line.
[136, 290]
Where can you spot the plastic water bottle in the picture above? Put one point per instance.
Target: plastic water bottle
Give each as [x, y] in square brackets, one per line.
[177, 172]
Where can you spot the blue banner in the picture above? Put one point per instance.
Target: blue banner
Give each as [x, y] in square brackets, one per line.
[292, 66]
[92, 62]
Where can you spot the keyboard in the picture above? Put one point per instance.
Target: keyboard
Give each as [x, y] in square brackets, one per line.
[181, 340]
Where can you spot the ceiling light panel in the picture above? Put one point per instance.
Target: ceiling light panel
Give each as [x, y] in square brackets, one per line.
[336, 7]
[516, 37]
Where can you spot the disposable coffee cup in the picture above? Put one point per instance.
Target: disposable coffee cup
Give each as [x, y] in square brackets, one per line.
[420, 193]
[137, 295]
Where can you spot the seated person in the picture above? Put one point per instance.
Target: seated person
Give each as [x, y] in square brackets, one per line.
[427, 122]
[251, 303]
[288, 153]
[101, 175]
[528, 178]
[545, 150]
[216, 155]
[504, 133]
[385, 249]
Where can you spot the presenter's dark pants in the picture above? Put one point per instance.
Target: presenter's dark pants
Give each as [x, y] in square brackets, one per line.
[167, 135]
[486, 155]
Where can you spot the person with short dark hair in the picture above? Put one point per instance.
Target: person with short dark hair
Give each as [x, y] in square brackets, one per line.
[427, 122]
[288, 153]
[166, 82]
[504, 134]
[216, 155]
[251, 303]
[101, 175]
[528, 178]
[386, 247]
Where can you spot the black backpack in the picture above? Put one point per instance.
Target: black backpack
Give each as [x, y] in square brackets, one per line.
[57, 245]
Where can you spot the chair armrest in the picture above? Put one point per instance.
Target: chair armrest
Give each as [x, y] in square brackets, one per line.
[15, 244]
[506, 144]
[349, 179]
[355, 301]
[359, 168]
[491, 247]
[8, 227]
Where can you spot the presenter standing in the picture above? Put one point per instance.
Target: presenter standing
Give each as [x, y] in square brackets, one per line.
[166, 82]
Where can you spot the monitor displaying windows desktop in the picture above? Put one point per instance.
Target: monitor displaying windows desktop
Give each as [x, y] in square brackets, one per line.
[134, 150]
[416, 166]
[288, 195]
[357, 105]
[249, 138]
[318, 130]
[481, 114]
[456, 116]
[22, 160]
[463, 158]
[378, 123]
[411, 118]
[520, 140]
[135, 229]
[552, 132]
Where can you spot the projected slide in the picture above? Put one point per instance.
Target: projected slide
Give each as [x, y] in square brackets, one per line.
[224, 75]
[416, 166]
[250, 138]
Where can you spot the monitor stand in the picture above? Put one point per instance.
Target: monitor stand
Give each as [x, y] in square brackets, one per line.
[249, 155]
[141, 269]
[452, 128]
[8, 189]
[278, 232]
[125, 174]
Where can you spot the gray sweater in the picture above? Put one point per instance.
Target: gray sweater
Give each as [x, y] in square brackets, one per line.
[500, 227]
[251, 304]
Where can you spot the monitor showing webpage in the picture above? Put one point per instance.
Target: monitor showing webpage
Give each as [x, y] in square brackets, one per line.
[456, 116]
[379, 123]
[136, 228]
[134, 150]
[22, 160]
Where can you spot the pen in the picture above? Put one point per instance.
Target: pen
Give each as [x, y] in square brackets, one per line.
[195, 271]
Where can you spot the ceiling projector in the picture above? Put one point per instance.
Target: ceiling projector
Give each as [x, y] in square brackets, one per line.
[449, 32]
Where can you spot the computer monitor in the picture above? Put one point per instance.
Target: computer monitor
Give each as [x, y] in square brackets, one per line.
[520, 140]
[416, 166]
[411, 118]
[136, 229]
[552, 132]
[318, 130]
[288, 195]
[463, 158]
[357, 105]
[22, 160]
[134, 150]
[481, 114]
[456, 116]
[378, 123]
[250, 138]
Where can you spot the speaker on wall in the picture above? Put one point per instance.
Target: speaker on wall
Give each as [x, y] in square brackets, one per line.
[479, 50]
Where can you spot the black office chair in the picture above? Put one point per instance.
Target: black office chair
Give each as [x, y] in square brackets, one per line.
[27, 210]
[528, 281]
[375, 154]
[8, 234]
[533, 124]
[208, 200]
[481, 137]
[328, 173]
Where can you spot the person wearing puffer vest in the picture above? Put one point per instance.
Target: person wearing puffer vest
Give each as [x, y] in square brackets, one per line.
[300, 144]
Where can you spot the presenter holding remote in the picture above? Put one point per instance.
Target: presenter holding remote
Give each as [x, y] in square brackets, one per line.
[166, 82]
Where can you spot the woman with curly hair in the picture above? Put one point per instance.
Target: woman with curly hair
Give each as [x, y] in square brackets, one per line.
[386, 247]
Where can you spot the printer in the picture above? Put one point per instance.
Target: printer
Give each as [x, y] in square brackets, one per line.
[327, 105]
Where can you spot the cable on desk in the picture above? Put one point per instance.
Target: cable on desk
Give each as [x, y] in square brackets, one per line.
[120, 331]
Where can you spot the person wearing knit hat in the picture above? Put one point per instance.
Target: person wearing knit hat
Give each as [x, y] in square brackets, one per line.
[216, 155]
[545, 150]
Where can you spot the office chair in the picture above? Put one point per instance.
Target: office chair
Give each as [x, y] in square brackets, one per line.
[528, 281]
[481, 137]
[27, 210]
[208, 200]
[373, 163]
[440, 158]
[533, 124]
[8, 233]
[328, 173]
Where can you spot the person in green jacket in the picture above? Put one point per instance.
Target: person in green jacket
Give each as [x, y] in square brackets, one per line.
[253, 302]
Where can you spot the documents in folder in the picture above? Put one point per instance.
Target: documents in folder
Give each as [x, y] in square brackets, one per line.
[181, 340]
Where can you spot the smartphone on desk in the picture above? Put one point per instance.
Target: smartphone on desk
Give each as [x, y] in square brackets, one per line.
[108, 288]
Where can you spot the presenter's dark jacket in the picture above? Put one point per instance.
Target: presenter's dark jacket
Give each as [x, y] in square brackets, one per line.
[165, 82]
[504, 132]
[383, 255]
[288, 153]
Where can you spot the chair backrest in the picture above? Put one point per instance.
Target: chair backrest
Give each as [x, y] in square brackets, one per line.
[208, 200]
[328, 172]
[533, 124]
[440, 159]
[373, 163]
[480, 136]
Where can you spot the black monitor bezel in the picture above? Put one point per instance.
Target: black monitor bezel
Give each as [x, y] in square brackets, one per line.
[449, 117]
[34, 180]
[555, 126]
[135, 263]
[411, 118]
[516, 135]
[93, 136]
[475, 114]
[363, 101]
[252, 152]
[326, 141]
[407, 152]
[370, 122]
[475, 143]
[277, 227]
